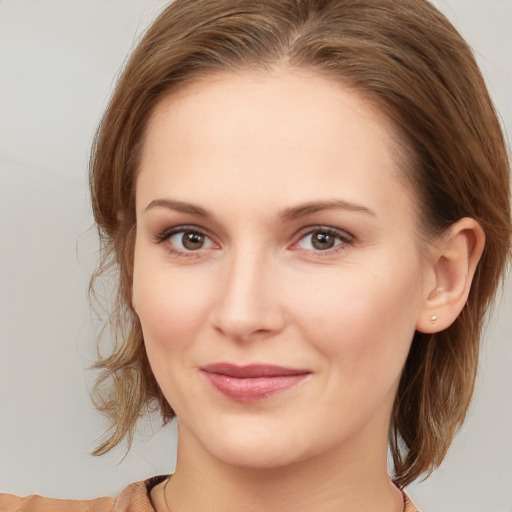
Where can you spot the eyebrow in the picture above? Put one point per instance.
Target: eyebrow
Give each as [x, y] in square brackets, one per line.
[179, 206]
[317, 206]
[286, 215]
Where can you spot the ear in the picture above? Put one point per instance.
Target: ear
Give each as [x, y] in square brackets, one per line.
[454, 260]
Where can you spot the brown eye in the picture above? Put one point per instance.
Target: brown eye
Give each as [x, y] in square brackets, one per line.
[192, 241]
[187, 241]
[322, 240]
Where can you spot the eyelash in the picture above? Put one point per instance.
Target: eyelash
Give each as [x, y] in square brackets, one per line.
[345, 239]
[165, 235]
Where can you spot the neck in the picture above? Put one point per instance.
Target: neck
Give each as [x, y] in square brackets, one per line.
[343, 480]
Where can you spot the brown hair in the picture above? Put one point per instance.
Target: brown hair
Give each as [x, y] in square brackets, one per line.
[402, 54]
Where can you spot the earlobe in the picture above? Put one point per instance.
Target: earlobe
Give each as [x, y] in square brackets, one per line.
[455, 257]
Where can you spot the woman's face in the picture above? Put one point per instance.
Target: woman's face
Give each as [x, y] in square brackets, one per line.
[278, 271]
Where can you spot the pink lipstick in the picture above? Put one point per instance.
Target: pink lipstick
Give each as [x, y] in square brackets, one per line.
[252, 382]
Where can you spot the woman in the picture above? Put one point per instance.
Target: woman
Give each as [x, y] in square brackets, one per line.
[308, 206]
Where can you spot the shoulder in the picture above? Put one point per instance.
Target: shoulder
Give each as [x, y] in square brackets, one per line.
[35, 503]
[134, 498]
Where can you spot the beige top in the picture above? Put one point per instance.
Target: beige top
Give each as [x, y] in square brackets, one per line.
[134, 498]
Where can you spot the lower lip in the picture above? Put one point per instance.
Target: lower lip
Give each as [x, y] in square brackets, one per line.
[252, 389]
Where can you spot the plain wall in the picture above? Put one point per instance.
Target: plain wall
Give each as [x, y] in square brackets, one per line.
[58, 62]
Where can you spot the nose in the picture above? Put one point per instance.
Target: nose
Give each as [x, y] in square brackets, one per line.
[248, 305]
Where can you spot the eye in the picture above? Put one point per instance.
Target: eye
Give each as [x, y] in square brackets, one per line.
[183, 241]
[323, 239]
[189, 240]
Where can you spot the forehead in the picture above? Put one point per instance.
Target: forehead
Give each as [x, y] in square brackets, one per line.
[239, 107]
[289, 134]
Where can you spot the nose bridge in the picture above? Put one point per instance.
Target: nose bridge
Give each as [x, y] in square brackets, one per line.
[248, 302]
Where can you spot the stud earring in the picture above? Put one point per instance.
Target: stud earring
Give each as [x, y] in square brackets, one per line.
[433, 319]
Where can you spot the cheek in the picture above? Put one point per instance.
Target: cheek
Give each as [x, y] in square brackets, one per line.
[358, 314]
[171, 305]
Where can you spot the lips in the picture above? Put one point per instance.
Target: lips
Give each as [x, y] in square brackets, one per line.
[252, 382]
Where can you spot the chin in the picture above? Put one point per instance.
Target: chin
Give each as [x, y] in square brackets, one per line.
[248, 447]
[254, 456]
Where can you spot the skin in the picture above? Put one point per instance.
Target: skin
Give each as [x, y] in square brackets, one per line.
[251, 151]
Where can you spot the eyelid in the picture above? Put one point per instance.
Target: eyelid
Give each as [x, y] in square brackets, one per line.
[344, 236]
[167, 233]
[346, 239]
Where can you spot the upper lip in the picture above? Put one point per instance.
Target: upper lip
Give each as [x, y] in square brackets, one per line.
[252, 370]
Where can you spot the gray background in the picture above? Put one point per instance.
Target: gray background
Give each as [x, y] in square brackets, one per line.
[58, 61]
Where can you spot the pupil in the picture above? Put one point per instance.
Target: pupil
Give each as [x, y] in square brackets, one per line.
[192, 241]
[323, 241]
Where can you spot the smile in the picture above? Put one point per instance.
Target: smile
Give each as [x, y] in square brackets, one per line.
[253, 382]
